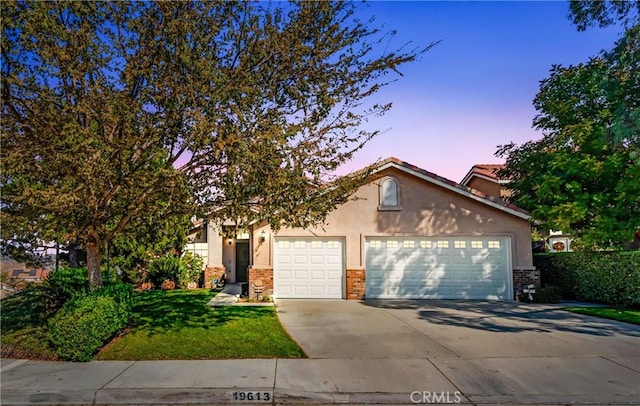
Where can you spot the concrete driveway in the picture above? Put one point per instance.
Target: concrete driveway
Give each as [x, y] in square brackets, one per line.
[490, 351]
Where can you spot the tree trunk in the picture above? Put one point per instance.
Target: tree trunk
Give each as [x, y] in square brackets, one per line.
[93, 265]
[73, 255]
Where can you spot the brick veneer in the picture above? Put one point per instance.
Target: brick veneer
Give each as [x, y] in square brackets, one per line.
[265, 275]
[522, 278]
[211, 273]
[356, 284]
[356, 281]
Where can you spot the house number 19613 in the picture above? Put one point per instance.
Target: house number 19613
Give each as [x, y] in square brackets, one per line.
[251, 396]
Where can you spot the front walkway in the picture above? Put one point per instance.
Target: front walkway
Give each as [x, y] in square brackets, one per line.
[230, 296]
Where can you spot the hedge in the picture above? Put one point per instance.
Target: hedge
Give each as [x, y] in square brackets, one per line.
[611, 278]
[85, 323]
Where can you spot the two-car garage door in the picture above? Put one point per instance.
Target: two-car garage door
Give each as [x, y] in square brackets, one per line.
[397, 267]
[438, 268]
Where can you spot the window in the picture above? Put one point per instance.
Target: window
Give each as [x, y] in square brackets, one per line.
[283, 244]
[442, 244]
[409, 244]
[316, 244]
[494, 244]
[389, 194]
[476, 244]
[300, 244]
[460, 244]
[425, 244]
[375, 244]
[333, 244]
[392, 244]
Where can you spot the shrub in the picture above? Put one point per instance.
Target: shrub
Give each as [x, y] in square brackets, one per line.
[122, 294]
[48, 297]
[167, 267]
[193, 265]
[86, 322]
[603, 277]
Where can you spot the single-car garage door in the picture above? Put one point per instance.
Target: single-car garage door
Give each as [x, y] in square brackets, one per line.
[308, 268]
[438, 268]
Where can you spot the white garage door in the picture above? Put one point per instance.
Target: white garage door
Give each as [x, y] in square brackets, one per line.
[438, 268]
[309, 268]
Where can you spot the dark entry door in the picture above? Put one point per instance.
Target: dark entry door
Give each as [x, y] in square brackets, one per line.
[242, 260]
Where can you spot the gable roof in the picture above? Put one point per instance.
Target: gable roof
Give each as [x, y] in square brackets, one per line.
[449, 185]
[485, 171]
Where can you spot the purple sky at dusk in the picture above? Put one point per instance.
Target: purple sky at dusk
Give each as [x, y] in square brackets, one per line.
[474, 90]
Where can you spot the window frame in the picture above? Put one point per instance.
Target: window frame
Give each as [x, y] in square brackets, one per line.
[381, 194]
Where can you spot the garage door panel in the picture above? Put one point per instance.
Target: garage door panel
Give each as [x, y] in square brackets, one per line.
[451, 267]
[310, 268]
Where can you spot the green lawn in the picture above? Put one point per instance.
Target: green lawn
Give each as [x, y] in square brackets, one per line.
[24, 332]
[177, 324]
[626, 315]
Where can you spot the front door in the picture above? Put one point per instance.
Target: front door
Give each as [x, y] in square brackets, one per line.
[242, 260]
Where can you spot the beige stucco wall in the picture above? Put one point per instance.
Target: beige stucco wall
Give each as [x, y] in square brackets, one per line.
[427, 210]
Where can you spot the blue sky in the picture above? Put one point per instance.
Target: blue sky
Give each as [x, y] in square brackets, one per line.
[474, 90]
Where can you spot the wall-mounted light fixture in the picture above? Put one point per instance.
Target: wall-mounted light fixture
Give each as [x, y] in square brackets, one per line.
[229, 241]
[263, 236]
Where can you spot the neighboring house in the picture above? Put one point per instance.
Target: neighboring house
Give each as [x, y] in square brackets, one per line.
[16, 275]
[484, 178]
[409, 234]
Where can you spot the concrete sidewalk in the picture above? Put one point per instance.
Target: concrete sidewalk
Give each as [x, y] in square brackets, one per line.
[321, 381]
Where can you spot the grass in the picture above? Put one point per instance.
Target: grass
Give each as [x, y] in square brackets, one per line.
[625, 315]
[24, 332]
[178, 325]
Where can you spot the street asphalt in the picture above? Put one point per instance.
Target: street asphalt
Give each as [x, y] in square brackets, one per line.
[374, 352]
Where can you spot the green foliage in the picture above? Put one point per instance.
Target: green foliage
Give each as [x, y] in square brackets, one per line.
[585, 13]
[601, 277]
[35, 304]
[181, 270]
[44, 299]
[86, 322]
[83, 325]
[254, 102]
[166, 267]
[582, 176]
[66, 283]
[31, 330]
[122, 294]
[193, 266]
[133, 251]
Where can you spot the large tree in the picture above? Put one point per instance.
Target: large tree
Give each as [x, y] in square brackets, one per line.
[254, 103]
[583, 176]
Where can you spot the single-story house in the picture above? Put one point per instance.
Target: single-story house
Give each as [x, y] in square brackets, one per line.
[408, 234]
